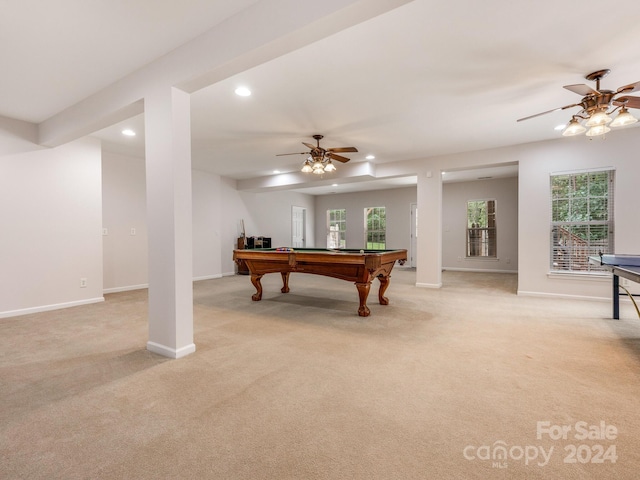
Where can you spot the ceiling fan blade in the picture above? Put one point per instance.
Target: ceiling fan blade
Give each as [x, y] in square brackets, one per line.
[342, 149]
[581, 89]
[339, 158]
[629, 88]
[312, 147]
[549, 111]
[629, 102]
[297, 153]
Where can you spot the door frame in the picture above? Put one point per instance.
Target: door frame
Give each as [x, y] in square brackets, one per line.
[295, 211]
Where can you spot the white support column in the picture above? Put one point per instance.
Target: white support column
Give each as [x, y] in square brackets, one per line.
[168, 172]
[429, 269]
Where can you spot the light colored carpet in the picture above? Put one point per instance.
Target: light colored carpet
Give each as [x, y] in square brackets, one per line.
[298, 386]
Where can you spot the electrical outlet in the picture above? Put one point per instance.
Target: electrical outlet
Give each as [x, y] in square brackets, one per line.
[105, 232]
[83, 283]
[133, 231]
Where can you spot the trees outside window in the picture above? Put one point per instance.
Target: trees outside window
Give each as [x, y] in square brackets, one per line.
[375, 225]
[481, 228]
[581, 219]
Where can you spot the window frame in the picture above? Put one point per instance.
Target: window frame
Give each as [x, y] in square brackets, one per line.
[342, 228]
[568, 249]
[482, 240]
[375, 236]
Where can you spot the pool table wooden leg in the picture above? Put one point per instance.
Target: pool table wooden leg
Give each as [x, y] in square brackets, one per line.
[384, 284]
[255, 279]
[363, 293]
[285, 282]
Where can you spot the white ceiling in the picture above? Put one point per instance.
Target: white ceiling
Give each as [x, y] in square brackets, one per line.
[426, 79]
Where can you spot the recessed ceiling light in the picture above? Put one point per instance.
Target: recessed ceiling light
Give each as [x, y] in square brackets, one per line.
[370, 157]
[128, 132]
[276, 171]
[560, 127]
[243, 91]
[334, 184]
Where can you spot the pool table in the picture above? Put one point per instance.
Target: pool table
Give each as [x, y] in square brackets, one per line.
[353, 265]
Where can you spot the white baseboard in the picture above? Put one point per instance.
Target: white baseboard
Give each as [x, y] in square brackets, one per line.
[171, 352]
[429, 285]
[46, 308]
[563, 295]
[146, 285]
[207, 277]
[126, 289]
[479, 270]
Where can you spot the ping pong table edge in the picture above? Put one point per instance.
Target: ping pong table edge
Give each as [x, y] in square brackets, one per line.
[625, 266]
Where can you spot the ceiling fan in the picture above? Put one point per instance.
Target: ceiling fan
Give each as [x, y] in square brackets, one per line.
[597, 106]
[319, 160]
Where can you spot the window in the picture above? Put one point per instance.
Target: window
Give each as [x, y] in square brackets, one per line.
[375, 225]
[481, 228]
[337, 228]
[581, 219]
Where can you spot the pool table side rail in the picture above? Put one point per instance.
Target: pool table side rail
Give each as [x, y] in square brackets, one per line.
[345, 266]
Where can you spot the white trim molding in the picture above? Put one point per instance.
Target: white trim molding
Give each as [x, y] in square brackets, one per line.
[171, 352]
[562, 295]
[46, 308]
[207, 277]
[478, 270]
[429, 285]
[126, 289]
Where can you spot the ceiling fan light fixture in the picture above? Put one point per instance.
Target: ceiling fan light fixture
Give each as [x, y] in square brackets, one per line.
[597, 130]
[329, 167]
[598, 118]
[319, 159]
[306, 168]
[573, 128]
[623, 118]
[318, 166]
[597, 105]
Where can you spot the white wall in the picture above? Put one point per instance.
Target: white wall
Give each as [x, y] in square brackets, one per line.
[537, 161]
[270, 215]
[218, 212]
[231, 217]
[123, 209]
[207, 227]
[454, 223]
[264, 215]
[397, 203]
[50, 216]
